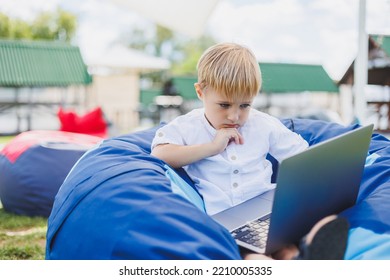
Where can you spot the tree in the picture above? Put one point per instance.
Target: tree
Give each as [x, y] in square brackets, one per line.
[5, 26]
[157, 43]
[163, 42]
[66, 26]
[163, 37]
[20, 30]
[190, 54]
[43, 27]
[60, 25]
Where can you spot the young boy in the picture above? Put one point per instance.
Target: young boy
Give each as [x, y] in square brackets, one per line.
[223, 146]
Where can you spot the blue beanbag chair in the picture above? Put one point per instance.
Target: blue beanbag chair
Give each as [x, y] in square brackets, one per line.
[118, 203]
[34, 165]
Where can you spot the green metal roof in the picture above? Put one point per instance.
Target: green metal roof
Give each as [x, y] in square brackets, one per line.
[185, 86]
[383, 42]
[295, 78]
[147, 95]
[277, 78]
[41, 64]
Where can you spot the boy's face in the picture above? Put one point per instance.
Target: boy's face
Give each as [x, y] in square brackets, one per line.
[221, 112]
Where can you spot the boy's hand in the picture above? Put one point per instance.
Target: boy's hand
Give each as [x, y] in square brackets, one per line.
[225, 136]
[182, 155]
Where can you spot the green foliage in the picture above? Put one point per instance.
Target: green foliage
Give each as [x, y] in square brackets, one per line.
[162, 37]
[153, 43]
[43, 27]
[67, 25]
[20, 30]
[60, 25]
[5, 26]
[181, 52]
[5, 139]
[191, 52]
[136, 39]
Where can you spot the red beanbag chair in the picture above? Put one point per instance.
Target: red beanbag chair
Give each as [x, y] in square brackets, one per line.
[92, 123]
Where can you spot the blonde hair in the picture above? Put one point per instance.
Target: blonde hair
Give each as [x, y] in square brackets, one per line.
[230, 69]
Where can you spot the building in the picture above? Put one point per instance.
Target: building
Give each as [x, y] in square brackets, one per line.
[116, 83]
[288, 90]
[377, 91]
[36, 77]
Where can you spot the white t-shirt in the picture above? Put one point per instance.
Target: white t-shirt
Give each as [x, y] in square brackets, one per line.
[241, 171]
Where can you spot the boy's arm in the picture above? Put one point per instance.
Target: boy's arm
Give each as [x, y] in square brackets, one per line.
[181, 155]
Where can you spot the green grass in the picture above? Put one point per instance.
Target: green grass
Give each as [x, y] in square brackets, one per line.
[22, 237]
[5, 139]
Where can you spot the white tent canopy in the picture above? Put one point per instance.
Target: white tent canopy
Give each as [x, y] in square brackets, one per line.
[186, 17]
[125, 59]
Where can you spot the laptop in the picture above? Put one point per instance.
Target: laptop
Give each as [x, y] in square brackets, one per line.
[320, 181]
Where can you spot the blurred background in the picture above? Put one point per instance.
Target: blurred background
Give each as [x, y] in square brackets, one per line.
[135, 61]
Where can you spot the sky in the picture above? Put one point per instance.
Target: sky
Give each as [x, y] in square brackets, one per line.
[321, 32]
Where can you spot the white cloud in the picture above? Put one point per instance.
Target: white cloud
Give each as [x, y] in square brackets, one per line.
[378, 19]
[26, 9]
[299, 31]
[100, 22]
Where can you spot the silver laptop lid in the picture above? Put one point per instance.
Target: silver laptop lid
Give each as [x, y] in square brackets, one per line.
[320, 181]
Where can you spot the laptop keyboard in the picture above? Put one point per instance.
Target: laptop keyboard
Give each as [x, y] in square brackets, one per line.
[254, 233]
